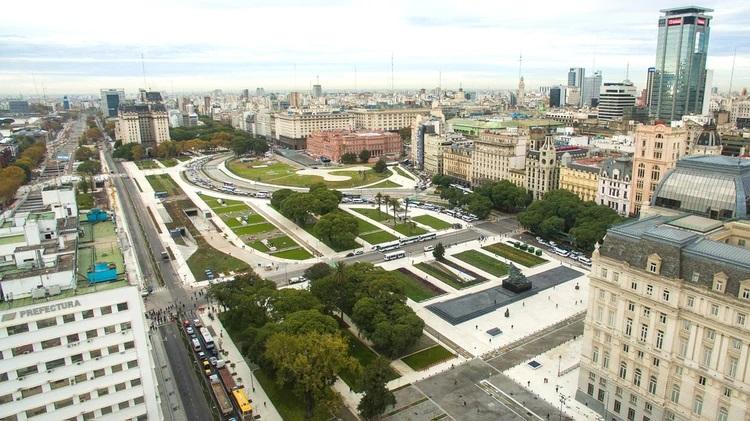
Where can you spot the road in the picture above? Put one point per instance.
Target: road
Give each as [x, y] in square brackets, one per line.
[148, 248]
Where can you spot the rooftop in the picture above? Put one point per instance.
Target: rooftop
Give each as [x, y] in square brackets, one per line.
[81, 289]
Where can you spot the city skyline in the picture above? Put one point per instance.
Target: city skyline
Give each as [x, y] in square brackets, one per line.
[288, 45]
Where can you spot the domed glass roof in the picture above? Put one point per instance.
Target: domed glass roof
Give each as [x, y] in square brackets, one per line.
[714, 186]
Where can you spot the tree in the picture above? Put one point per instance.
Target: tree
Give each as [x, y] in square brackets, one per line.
[395, 207]
[406, 207]
[317, 271]
[309, 364]
[83, 185]
[349, 158]
[387, 202]
[137, 152]
[364, 156]
[441, 180]
[339, 229]
[90, 167]
[379, 199]
[479, 205]
[279, 196]
[92, 134]
[405, 133]
[296, 207]
[83, 153]
[380, 166]
[439, 252]
[376, 397]
[12, 178]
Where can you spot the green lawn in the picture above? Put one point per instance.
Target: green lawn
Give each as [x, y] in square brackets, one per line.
[146, 164]
[164, 183]
[183, 158]
[414, 289]
[231, 220]
[402, 173]
[213, 202]
[409, 230]
[230, 208]
[254, 229]
[85, 200]
[293, 254]
[519, 256]
[364, 355]
[427, 357]
[484, 262]
[432, 222]
[365, 226]
[378, 237]
[282, 174]
[373, 214]
[207, 257]
[290, 407]
[171, 162]
[444, 275]
[385, 184]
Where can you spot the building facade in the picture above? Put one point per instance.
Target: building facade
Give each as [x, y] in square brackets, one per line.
[581, 177]
[740, 115]
[144, 124]
[575, 76]
[679, 80]
[614, 184]
[388, 119]
[498, 152]
[666, 333]
[458, 162]
[335, 143]
[614, 98]
[434, 146]
[657, 149]
[542, 170]
[591, 88]
[293, 128]
[110, 101]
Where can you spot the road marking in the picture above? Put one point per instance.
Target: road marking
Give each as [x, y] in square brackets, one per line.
[498, 390]
[433, 401]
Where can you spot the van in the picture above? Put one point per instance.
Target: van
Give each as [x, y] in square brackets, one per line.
[196, 344]
[164, 255]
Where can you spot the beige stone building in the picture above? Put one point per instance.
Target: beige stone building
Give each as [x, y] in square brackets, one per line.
[434, 146]
[144, 124]
[457, 162]
[517, 177]
[657, 149]
[293, 128]
[387, 118]
[498, 152]
[581, 177]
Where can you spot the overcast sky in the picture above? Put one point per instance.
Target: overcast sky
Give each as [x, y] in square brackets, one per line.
[81, 46]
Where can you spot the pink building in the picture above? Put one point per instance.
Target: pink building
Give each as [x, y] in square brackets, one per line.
[334, 143]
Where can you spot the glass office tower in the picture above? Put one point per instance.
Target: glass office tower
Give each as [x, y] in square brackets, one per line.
[680, 77]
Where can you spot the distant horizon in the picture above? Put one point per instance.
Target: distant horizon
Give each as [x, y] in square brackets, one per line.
[286, 45]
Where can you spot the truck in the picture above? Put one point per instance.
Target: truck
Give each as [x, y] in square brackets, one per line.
[226, 378]
[225, 405]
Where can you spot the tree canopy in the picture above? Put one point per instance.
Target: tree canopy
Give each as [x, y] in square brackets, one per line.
[376, 397]
[562, 214]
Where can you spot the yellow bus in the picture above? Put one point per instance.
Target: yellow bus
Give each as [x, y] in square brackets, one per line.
[242, 402]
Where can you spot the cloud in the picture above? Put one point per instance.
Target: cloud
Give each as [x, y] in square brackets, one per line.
[282, 44]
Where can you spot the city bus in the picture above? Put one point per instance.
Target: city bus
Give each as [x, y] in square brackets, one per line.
[394, 255]
[388, 246]
[246, 410]
[207, 338]
[428, 236]
[409, 240]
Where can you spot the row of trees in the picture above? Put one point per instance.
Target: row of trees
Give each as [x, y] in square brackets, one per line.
[351, 157]
[14, 174]
[562, 214]
[89, 165]
[289, 334]
[318, 207]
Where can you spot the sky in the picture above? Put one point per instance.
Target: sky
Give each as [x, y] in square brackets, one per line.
[82, 46]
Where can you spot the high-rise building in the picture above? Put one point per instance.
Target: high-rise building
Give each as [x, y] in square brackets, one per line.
[293, 127]
[496, 153]
[18, 106]
[657, 149]
[421, 127]
[575, 76]
[649, 85]
[572, 96]
[521, 92]
[147, 124]
[317, 91]
[591, 87]
[110, 101]
[613, 99]
[295, 100]
[680, 76]
[556, 95]
[665, 334]
[66, 103]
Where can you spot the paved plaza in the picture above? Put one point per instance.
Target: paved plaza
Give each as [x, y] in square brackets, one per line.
[471, 306]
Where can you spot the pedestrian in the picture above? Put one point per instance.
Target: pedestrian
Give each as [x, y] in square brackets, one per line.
[264, 404]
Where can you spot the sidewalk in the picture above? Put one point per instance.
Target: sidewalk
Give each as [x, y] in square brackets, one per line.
[242, 373]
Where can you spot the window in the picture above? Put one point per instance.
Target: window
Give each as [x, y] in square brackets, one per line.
[741, 319]
[659, 339]
[69, 318]
[108, 330]
[605, 360]
[625, 348]
[675, 397]
[604, 273]
[80, 378]
[44, 323]
[59, 383]
[106, 410]
[652, 385]
[696, 277]
[73, 338]
[710, 334]
[138, 400]
[623, 370]
[129, 345]
[628, 326]
[116, 368]
[644, 333]
[16, 329]
[637, 377]
[32, 391]
[665, 295]
[746, 293]
[649, 289]
[655, 362]
[639, 354]
[55, 363]
[125, 326]
[634, 285]
[91, 334]
[132, 363]
[647, 407]
[135, 382]
[122, 306]
[727, 392]
[120, 387]
[706, 361]
[690, 301]
[652, 267]
[685, 324]
[106, 310]
[631, 306]
[22, 372]
[723, 414]
[736, 344]
[87, 314]
[22, 350]
[36, 411]
[683, 348]
[95, 353]
[84, 397]
[63, 403]
[99, 373]
[77, 358]
[618, 391]
[698, 405]
[595, 355]
[662, 318]
[600, 396]
[719, 285]
[732, 369]
[88, 416]
[702, 380]
[631, 414]
[618, 406]
[51, 343]
[113, 349]
[103, 391]
[123, 405]
[714, 310]
[646, 311]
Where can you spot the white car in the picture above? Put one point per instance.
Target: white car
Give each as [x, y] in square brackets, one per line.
[429, 248]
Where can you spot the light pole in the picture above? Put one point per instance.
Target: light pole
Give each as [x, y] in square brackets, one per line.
[562, 402]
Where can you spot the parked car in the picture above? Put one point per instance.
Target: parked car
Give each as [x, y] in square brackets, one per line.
[190, 330]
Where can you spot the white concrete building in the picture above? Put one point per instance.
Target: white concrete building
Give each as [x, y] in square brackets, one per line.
[614, 185]
[293, 127]
[144, 124]
[387, 118]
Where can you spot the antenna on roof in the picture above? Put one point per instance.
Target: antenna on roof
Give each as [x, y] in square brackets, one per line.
[355, 77]
[392, 72]
[143, 68]
[520, 62]
[627, 71]
[731, 75]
